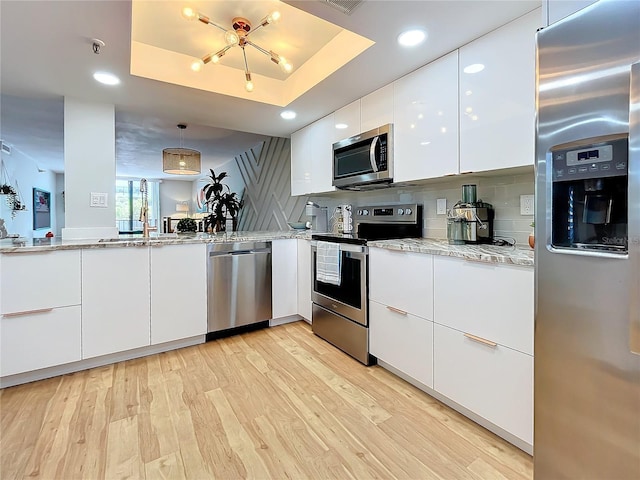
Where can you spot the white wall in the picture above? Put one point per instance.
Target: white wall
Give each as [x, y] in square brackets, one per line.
[24, 171]
[60, 221]
[502, 191]
[172, 192]
[90, 166]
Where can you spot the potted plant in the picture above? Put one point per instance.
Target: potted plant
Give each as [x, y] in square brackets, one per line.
[221, 202]
[13, 199]
[187, 225]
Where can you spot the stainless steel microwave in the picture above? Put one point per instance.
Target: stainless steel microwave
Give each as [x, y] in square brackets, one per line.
[364, 160]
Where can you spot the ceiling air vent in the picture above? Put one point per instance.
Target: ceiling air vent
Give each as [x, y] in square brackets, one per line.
[345, 6]
[5, 148]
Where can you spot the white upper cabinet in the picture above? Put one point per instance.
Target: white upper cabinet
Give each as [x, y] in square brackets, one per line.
[301, 162]
[497, 102]
[426, 121]
[377, 109]
[554, 10]
[322, 132]
[347, 121]
[312, 157]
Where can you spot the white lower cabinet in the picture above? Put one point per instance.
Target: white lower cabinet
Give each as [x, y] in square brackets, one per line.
[284, 278]
[39, 280]
[178, 292]
[402, 340]
[304, 279]
[115, 300]
[497, 302]
[493, 381]
[32, 341]
[403, 280]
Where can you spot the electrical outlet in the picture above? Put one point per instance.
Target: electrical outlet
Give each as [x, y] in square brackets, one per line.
[527, 204]
[441, 206]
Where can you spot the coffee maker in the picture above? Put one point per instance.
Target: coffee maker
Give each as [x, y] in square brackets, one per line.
[470, 220]
[589, 195]
[318, 216]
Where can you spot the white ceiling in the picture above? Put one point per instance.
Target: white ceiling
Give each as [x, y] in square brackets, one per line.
[46, 55]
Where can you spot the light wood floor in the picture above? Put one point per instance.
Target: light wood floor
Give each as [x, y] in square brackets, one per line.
[273, 404]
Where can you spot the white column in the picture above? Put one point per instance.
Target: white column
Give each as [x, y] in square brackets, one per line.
[90, 167]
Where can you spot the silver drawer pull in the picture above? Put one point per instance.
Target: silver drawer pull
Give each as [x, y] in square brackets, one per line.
[397, 310]
[484, 341]
[27, 312]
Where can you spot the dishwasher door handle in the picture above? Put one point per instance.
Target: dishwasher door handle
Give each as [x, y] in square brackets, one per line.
[239, 252]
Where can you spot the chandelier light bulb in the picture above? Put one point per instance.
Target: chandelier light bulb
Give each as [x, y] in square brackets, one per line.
[273, 17]
[248, 86]
[197, 65]
[189, 13]
[285, 65]
[216, 58]
[231, 38]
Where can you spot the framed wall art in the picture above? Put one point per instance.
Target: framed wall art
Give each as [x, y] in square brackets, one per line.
[41, 209]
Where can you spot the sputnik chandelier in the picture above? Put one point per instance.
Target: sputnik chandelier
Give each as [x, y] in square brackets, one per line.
[238, 36]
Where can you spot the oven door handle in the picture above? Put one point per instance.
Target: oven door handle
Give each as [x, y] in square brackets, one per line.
[345, 247]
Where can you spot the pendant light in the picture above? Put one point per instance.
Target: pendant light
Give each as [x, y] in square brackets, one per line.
[181, 161]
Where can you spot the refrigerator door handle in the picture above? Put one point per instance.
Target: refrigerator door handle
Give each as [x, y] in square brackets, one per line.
[634, 210]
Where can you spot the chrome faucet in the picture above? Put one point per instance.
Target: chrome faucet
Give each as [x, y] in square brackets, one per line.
[144, 211]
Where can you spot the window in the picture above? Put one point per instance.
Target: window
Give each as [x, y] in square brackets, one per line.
[129, 203]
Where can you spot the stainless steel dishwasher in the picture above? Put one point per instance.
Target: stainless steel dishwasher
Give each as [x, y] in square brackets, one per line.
[239, 287]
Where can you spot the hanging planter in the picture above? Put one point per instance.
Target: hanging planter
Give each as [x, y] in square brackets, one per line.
[14, 199]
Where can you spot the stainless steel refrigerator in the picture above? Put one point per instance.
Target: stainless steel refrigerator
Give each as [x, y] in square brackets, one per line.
[587, 324]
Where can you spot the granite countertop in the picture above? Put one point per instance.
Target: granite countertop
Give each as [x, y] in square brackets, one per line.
[48, 244]
[483, 253]
[515, 255]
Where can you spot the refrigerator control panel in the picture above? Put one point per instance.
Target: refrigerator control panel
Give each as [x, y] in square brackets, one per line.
[586, 161]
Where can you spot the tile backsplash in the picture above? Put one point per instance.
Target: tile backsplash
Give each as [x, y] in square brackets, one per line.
[502, 191]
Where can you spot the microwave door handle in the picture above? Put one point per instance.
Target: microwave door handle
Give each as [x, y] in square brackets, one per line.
[634, 210]
[372, 154]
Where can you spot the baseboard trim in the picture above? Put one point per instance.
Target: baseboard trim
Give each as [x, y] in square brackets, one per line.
[274, 322]
[35, 375]
[483, 422]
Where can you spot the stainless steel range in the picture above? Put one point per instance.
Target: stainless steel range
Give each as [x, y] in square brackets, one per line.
[340, 283]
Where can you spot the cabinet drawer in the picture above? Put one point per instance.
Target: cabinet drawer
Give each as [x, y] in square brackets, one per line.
[494, 382]
[485, 299]
[404, 341]
[403, 280]
[33, 281]
[39, 340]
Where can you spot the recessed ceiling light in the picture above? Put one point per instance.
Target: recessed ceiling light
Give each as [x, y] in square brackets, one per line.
[106, 78]
[288, 114]
[341, 126]
[411, 38]
[474, 68]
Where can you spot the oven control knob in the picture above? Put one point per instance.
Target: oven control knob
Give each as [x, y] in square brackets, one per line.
[407, 211]
[400, 211]
[365, 212]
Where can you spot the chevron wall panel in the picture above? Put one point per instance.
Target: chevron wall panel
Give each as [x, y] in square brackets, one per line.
[266, 173]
